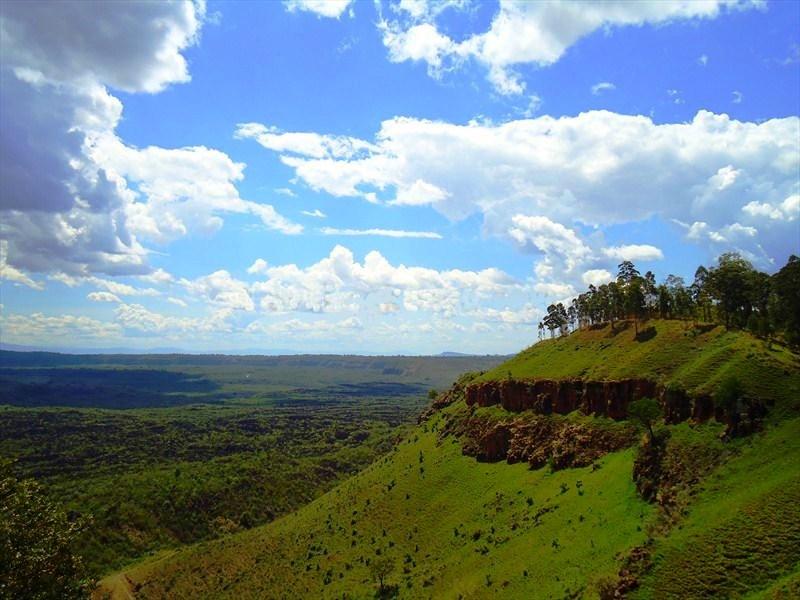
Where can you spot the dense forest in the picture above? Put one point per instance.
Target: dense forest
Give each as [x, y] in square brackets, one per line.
[732, 293]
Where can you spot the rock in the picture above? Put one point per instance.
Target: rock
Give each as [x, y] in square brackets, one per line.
[598, 398]
[540, 440]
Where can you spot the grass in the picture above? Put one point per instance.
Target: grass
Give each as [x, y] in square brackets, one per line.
[458, 528]
[693, 358]
[454, 527]
[742, 532]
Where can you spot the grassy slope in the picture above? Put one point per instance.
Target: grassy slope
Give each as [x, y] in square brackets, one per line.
[677, 353]
[742, 533]
[738, 534]
[575, 536]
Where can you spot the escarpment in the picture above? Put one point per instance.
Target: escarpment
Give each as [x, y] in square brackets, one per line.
[597, 398]
[540, 440]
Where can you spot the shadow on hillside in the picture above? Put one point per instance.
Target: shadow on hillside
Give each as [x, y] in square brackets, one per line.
[646, 334]
[388, 592]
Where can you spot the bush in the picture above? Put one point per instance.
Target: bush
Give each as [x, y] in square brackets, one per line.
[36, 544]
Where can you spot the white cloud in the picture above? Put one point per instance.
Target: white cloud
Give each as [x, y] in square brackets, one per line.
[103, 297]
[789, 209]
[634, 252]
[285, 192]
[550, 238]
[737, 97]
[537, 33]
[603, 86]
[121, 289]
[316, 213]
[259, 266]
[702, 60]
[419, 193]
[177, 302]
[322, 8]
[185, 189]
[338, 283]
[133, 46]
[9, 273]
[392, 233]
[597, 277]
[221, 289]
[598, 168]
[559, 290]
[76, 199]
[38, 328]
[312, 145]
[137, 317]
[157, 277]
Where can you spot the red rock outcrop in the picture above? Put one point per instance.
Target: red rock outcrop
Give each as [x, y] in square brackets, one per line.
[599, 398]
[539, 440]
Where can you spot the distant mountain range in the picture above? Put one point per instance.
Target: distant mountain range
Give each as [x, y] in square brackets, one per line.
[175, 350]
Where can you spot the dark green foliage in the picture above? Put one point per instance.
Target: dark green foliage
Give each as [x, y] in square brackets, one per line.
[258, 447]
[732, 293]
[37, 544]
[786, 303]
[729, 394]
[645, 411]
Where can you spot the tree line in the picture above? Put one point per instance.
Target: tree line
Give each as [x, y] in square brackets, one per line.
[732, 293]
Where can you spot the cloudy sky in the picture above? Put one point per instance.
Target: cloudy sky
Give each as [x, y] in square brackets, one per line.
[412, 177]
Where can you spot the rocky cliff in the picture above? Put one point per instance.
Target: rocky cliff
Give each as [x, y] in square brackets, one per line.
[598, 398]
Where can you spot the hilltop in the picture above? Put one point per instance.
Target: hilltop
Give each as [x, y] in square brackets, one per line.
[556, 505]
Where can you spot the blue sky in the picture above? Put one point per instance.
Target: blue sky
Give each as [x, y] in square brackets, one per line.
[379, 177]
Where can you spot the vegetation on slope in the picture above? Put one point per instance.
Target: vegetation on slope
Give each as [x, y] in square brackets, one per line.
[723, 519]
[232, 442]
[696, 358]
[451, 527]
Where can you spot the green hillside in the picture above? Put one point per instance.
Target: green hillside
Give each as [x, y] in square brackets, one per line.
[695, 358]
[443, 524]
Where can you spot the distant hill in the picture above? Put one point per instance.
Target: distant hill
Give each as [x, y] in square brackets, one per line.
[553, 506]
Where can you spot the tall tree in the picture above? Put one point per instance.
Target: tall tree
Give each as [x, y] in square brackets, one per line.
[786, 289]
[730, 285]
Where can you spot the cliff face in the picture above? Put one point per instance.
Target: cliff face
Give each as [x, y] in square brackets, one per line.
[598, 398]
[539, 440]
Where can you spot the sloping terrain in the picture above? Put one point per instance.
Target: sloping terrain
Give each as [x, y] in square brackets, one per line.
[432, 521]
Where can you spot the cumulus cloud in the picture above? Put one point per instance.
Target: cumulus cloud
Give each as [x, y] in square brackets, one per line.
[596, 277]
[220, 289]
[131, 46]
[392, 233]
[103, 297]
[598, 168]
[788, 210]
[634, 252]
[322, 8]
[339, 283]
[258, 266]
[145, 321]
[537, 33]
[76, 199]
[38, 328]
[9, 273]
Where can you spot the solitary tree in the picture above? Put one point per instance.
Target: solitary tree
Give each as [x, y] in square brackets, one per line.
[646, 411]
[381, 567]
